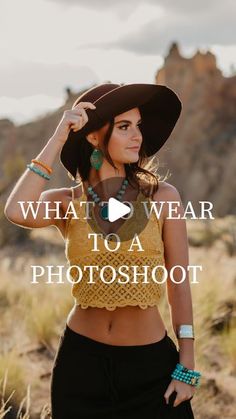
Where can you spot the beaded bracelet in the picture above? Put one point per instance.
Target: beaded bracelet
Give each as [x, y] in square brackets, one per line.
[187, 376]
[38, 171]
[44, 165]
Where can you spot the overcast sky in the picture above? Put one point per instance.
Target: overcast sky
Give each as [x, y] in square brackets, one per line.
[47, 45]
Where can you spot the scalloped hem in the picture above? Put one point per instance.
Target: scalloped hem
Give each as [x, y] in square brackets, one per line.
[112, 308]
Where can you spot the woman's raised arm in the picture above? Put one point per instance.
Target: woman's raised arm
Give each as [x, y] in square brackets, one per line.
[30, 186]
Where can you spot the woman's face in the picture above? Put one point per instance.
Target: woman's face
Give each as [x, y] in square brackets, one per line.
[126, 138]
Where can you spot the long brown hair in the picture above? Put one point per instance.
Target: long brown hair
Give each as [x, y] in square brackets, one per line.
[135, 172]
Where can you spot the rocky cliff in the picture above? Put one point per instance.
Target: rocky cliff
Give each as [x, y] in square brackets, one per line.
[201, 152]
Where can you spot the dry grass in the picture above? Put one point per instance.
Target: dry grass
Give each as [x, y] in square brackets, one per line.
[23, 411]
[16, 371]
[5, 406]
[229, 346]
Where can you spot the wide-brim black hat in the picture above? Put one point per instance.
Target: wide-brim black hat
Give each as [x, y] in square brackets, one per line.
[159, 108]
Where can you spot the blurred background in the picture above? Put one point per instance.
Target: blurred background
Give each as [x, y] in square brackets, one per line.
[53, 50]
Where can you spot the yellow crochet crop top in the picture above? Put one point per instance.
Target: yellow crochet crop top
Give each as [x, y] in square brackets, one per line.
[120, 284]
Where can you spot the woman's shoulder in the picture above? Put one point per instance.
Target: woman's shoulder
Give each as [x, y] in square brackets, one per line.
[166, 192]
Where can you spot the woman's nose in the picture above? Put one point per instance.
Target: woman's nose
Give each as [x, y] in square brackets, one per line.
[136, 134]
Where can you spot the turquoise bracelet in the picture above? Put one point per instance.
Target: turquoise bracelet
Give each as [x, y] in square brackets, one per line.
[38, 171]
[187, 376]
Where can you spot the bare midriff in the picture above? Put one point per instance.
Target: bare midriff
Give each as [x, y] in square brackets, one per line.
[130, 325]
[123, 326]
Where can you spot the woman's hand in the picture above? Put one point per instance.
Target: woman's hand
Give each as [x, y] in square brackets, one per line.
[74, 119]
[184, 392]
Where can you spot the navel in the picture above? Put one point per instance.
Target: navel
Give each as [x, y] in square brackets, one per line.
[110, 325]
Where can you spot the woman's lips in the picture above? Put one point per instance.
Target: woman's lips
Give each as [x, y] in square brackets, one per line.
[133, 148]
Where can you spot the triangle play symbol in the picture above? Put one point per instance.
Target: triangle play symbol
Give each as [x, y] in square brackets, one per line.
[117, 209]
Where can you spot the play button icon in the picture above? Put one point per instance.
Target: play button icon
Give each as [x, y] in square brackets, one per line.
[117, 209]
[125, 216]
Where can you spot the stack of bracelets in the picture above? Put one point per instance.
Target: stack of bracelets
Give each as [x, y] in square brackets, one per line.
[182, 373]
[39, 172]
[187, 376]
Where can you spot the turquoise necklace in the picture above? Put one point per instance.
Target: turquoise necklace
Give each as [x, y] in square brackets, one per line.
[103, 211]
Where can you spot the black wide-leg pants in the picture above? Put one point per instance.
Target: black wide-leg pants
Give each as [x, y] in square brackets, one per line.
[95, 380]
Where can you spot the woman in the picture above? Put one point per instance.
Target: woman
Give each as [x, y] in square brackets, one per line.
[115, 359]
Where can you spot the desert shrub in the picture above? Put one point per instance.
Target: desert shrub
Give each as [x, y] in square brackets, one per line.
[10, 233]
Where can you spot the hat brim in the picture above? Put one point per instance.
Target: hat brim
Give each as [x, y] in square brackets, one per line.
[159, 107]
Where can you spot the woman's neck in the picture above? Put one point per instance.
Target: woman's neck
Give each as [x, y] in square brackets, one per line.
[107, 179]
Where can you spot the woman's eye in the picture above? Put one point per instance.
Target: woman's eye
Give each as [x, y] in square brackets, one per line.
[126, 126]
[123, 126]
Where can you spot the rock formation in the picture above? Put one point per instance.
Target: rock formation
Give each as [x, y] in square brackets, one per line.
[201, 153]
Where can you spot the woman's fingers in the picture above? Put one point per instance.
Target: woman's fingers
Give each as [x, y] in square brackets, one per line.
[84, 115]
[183, 392]
[85, 105]
[181, 397]
[74, 119]
[169, 391]
[81, 119]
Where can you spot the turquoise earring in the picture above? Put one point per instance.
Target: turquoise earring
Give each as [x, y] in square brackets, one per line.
[96, 158]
